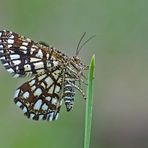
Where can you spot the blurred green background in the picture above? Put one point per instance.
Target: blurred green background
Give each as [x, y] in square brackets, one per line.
[120, 116]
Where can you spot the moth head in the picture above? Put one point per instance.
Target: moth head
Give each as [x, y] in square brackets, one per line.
[75, 66]
[79, 64]
[76, 58]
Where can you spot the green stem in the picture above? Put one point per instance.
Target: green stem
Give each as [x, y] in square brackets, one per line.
[89, 103]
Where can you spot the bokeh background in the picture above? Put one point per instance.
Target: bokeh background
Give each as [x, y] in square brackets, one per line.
[120, 115]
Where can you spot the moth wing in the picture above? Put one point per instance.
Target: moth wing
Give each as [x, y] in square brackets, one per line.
[23, 57]
[39, 98]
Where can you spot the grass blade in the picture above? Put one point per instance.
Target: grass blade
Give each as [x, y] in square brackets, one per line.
[89, 103]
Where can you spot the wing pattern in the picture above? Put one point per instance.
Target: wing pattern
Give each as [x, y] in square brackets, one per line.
[23, 57]
[39, 98]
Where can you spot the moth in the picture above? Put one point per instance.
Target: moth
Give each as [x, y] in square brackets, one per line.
[54, 75]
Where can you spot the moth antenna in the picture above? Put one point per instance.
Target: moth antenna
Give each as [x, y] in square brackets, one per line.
[86, 42]
[77, 49]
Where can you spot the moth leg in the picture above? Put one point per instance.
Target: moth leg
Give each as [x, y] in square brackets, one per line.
[79, 89]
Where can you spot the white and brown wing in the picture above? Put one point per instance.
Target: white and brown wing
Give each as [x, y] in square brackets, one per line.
[23, 57]
[40, 97]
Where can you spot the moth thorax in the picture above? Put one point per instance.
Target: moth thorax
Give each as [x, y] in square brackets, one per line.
[73, 67]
